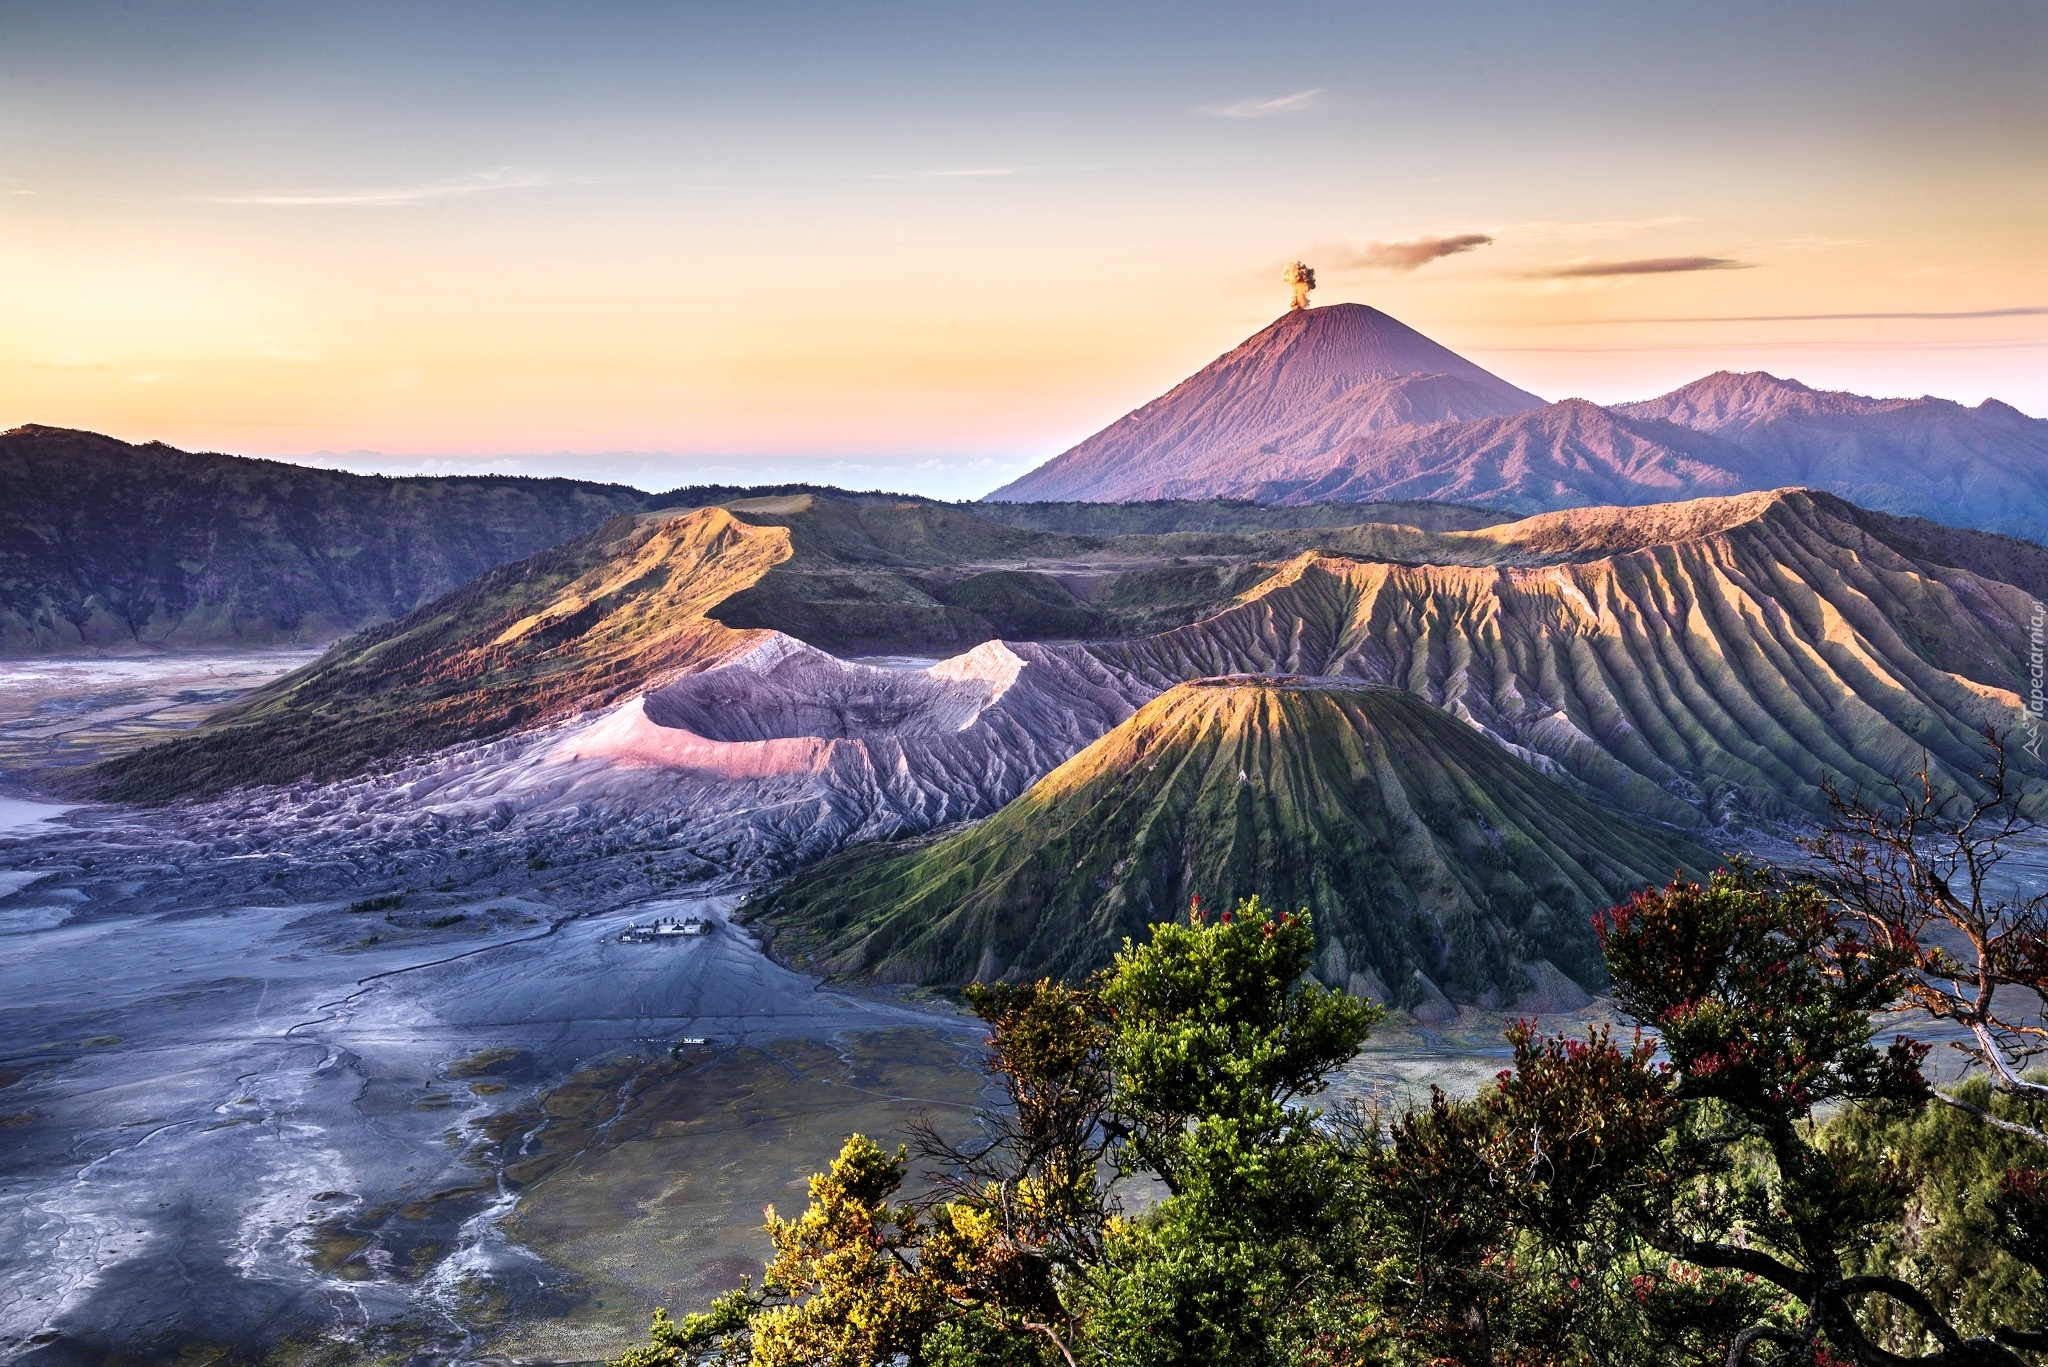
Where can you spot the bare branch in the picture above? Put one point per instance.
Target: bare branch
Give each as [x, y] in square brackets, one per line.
[1920, 872]
[1984, 1116]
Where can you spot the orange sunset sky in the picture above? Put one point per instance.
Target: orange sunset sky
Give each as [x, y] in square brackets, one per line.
[929, 246]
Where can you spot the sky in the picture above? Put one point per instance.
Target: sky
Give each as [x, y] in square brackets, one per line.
[926, 247]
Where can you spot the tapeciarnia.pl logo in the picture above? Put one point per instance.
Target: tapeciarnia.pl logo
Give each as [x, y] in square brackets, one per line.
[2037, 672]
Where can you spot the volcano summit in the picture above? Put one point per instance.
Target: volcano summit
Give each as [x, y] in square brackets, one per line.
[1301, 387]
[1344, 403]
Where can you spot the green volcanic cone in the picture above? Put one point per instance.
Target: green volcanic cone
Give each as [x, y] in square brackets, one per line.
[1430, 857]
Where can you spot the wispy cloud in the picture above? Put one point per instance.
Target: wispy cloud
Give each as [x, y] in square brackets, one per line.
[953, 173]
[477, 183]
[1649, 265]
[1408, 256]
[1268, 108]
[982, 172]
[2030, 311]
[67, 360]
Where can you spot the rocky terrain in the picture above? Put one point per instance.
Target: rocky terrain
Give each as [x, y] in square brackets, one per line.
[108, 546]
[1702, 664]
[413, 1085]
[645, 599]
[365, 1071]
[1326, 426]
[1432, 860]
[570, 628]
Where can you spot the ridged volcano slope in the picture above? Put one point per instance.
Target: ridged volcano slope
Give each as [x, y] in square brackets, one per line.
[1429, 857]
[1697, 662]
[624, 609]
[574, 628]
[629, 607]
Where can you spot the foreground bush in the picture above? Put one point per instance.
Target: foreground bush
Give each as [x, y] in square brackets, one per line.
[1604, 1202]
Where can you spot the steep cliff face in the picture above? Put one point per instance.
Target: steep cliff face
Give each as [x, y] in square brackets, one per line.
[1430, 858]
[104, 545]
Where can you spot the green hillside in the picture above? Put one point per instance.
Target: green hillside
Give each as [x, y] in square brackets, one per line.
[1420, 846]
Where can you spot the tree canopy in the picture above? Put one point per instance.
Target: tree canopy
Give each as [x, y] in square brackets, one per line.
[1754, 1177]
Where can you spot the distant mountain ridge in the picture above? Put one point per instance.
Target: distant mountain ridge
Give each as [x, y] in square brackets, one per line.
[110, 546]
[1385, 438]
[107, 545]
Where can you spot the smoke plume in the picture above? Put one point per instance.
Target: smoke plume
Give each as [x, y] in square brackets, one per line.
[1301, 280]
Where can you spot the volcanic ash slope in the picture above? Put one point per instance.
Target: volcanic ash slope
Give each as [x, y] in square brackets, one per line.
[1433, 861]
[623, 611]
[777, 755]
[787, 753]
[572, 629]
[1302, 386]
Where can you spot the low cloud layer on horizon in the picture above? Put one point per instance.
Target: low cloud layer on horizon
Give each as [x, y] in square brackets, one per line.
[2029, 311]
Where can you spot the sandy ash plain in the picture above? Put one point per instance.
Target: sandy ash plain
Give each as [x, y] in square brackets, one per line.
[463, 1122]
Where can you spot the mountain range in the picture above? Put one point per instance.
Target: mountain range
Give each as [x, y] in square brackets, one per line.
[645, 599]
[1700, 664]
[1345, 402]
[112, 547]
[105, 545]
